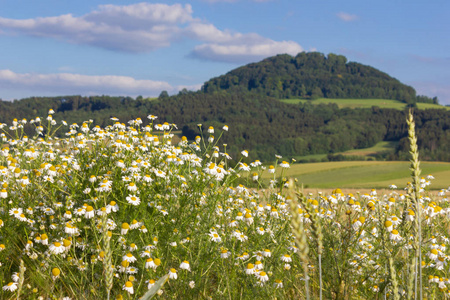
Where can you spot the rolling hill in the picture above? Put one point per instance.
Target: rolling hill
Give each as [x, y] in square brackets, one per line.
[312, 75]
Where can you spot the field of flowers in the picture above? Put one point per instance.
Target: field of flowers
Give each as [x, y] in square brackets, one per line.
[122, 213]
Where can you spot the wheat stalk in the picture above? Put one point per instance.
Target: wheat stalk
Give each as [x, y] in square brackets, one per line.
[21, 278]
[415, 174]
[107, 260]
[299, 234]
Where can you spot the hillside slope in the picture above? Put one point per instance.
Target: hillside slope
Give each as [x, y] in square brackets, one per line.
[312, 75]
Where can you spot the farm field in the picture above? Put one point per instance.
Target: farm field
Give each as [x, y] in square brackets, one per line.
[364, 174]
[364, 103]
[379, 147]
[368, 152]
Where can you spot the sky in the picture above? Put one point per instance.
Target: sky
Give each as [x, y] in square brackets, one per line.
[127, 48]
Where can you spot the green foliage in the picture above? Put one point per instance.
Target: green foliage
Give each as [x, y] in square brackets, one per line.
[312, 75]
[256, 122]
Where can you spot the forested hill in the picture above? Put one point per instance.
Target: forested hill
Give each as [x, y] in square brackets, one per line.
[312, 75]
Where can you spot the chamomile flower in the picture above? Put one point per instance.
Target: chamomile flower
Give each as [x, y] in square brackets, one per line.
[129, 257]
[57, 248]
[284, 164]
[388, 225]
[128, 286]
[286, 258]
[278, 284]
[224, 253]
[215, 237]
[395, 236]
[55, 273]
[12, 286]
[90, 212]
[133, 200]
[173, 274]
[267, 253]
[250, 269]
[262, 276]
[185, 265]
[125, 228]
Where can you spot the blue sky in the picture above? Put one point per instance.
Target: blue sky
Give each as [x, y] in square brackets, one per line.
[59, 47]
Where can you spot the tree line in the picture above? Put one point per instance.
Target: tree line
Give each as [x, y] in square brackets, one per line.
[258, 123]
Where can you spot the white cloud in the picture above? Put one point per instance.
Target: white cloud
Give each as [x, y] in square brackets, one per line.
[67, 83]
[227, 46]
[240, 53]
[347, 17]
[145, 27]
[141, 27]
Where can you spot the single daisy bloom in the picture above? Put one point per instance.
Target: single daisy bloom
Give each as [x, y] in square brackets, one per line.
[267, 253]
[395, 236]
[132, 270]
[259, 265]
[248, 218]
[12, 286]
[173, 274]
[16, 212]
[133, 200]
[149, 263]
[224, 253]
[57, 248]
[90, 212]
[125, 228]
[262, 276]
[150, 283]
[274, 213]
[286, 258]
[284, 164]
[215, 237]
[128, 286]
[129, 257]
[250, 269]
[55, 273]
[132, 187]
[278, 284]
[410, 215]
[133, 247]
[388, 226]
[434, 253]
[395, 220]
[185, 265]
[22, 217]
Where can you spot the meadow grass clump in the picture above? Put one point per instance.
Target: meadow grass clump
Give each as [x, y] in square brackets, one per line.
[123, 213]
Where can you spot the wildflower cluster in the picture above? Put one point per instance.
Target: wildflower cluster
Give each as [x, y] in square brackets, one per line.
[116, 211]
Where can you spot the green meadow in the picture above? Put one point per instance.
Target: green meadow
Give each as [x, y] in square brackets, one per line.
[380, 147]
[364, 174]
[364, 103]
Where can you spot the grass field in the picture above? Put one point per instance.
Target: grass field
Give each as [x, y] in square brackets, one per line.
[378, 148]
[364, 103]
[364, 174]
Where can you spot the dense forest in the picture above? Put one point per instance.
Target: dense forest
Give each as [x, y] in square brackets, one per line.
[313, 75]
[258, 123]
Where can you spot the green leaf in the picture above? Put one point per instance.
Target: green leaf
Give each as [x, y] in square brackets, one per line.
[155, 288]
